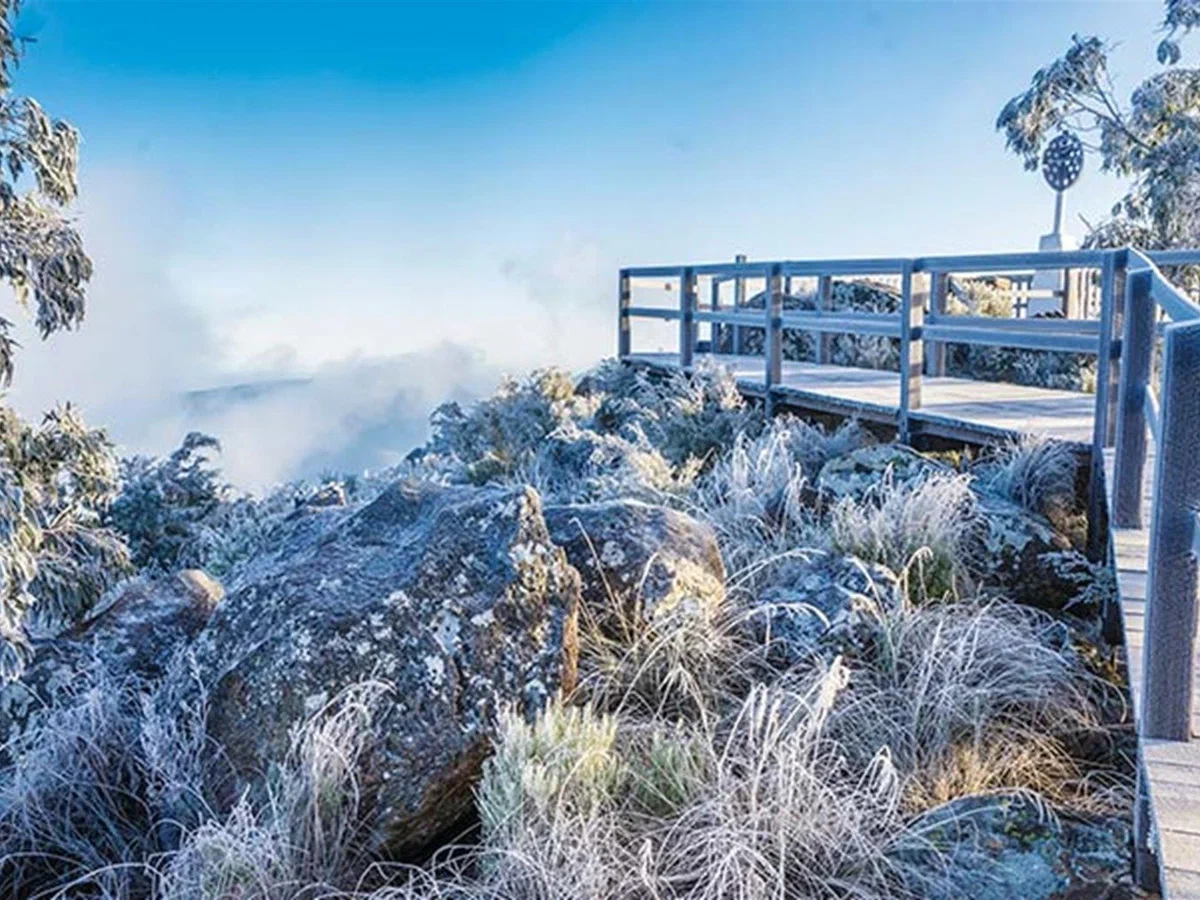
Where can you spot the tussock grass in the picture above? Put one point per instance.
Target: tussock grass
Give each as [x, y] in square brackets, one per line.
[682, 663]
[920, 529]
[776, 814]
[970, 698]
[758, 496]
[75, 817]
[1036, 472]
[309, 836]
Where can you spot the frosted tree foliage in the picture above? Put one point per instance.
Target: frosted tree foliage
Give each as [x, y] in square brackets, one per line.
[1154, 139]
[41, 253]
[57, 478]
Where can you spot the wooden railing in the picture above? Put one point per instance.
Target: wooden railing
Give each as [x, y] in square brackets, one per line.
[923, 328]
[1171, 417]
[1134, 296]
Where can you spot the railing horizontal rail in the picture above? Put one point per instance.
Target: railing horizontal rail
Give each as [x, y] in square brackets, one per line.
[809, 267]
[998, 337]
[980, 263]
[747, 317]
[653, 312]
[1172, 257]
[748, 269]
[1003, 262]
[1173, 302]
[1041, 326]
[884, 324]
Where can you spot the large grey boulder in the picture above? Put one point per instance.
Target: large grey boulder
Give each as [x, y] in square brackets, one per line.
[858, 472]
[1000, 846]
[639, 561]
[454, 596]
[821, 603]
[1021, 556]
[137, 633]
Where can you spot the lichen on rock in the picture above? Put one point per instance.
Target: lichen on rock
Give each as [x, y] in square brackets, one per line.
[455, 596]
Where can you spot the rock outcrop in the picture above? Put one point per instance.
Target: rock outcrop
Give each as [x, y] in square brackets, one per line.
[1021, 556]
[821, 602]
[638, 560]
[454, 596]
[860, 472]
[137, 633]
[998, 846]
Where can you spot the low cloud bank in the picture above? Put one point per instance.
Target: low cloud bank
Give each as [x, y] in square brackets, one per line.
[149, 367]
[349, 416]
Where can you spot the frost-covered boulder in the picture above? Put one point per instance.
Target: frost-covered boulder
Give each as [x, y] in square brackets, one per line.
[821, 601]
[639, 560]
[137, 633]
[858, 472]
[999, 846]
[454, 596]
[1021, 556]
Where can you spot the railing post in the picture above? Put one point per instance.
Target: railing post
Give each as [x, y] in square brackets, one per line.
[739, 303]
[773, 336]
[1137, 348]
[1106, 384]
[624, 337]
[687, 318]
[824, 343]
[714, 328]
[911, 362]
[935, 351]
[1170, 638]
[1117, 324]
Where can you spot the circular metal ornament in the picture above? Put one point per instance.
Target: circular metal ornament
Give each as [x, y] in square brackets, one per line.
[1063, 161]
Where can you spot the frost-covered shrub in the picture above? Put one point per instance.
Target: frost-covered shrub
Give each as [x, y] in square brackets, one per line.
[165, 501]
[921, 528]
[684, 416]
[618, 428]
[574, 465]
[496, 435]
[57, 558]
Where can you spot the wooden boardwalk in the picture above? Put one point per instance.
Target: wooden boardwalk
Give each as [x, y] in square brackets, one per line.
[1172, 767]
[950, 407]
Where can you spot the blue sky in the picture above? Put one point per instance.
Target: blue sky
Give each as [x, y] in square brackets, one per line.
[300, 183]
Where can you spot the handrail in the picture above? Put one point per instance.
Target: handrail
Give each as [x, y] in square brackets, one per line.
[1170, 420]
[990, 262]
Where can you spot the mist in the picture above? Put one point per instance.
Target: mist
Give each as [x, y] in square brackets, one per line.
[150, 363]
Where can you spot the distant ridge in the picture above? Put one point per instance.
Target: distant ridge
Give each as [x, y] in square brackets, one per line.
[208, 401]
